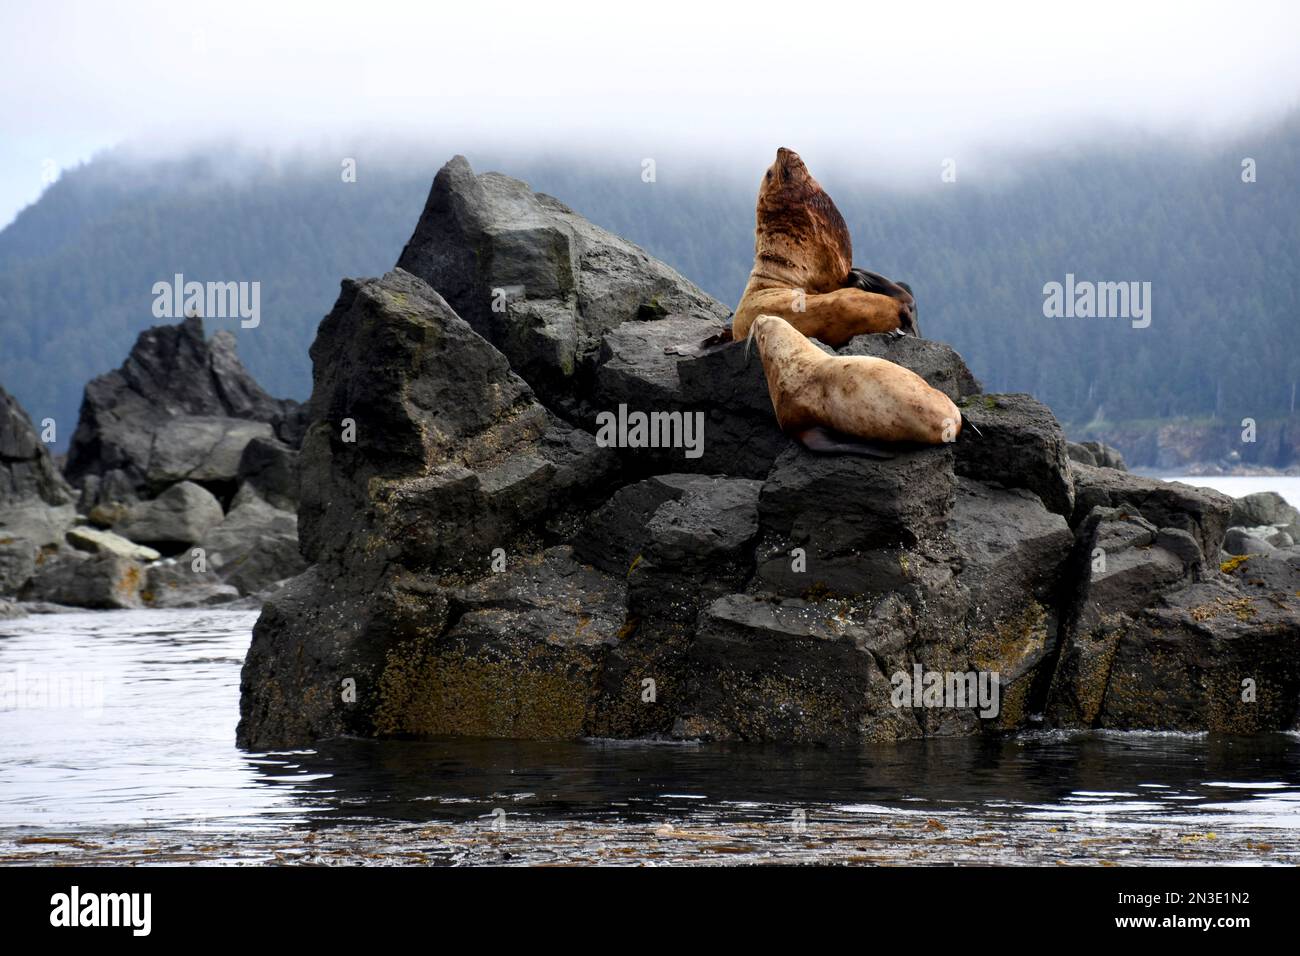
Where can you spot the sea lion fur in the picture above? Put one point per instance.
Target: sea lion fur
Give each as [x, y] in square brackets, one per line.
[819, 398]
[803, 265]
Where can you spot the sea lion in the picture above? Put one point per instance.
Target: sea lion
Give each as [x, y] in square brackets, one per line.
[845, 403]
[875, 282]
[803, 265]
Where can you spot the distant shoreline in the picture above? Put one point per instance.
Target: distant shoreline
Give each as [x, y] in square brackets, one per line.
[1236, 486]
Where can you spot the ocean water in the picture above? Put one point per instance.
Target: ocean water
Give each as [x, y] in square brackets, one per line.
[117, 745]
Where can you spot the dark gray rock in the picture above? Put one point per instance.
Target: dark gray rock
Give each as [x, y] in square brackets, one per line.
[614, 535]
[178, 517]
[17, 562]
[453, 460]
[443, 431]
[1009, 547]
[166, 415]
[764, 669]
[1097, 454]
[534, 278]
[728, 377]
[254, 546]
[636, 369]
[1241, 541]
[319, 652]
[1137, 561]
[174, 583]
[270, 467]
[1262, 508]
[31, 532]
[1010, 552]
[41, 524]
[697, 547]
[465, 459]
[1017, 443]
[206, 450]
[844, 525]
[101, 581]
[1104, 456]
[1208, 657]
[937, 363]
[27, 472]
[1166, 504]
[1275, 575]
[634, 366]
[840, 503]
[108, 514]
[1080, 453]
[522, 659]
[1122, 565]
[113, 489]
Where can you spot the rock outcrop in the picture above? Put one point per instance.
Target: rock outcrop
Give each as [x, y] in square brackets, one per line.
[181, 408]
[27, 472]
[482, 564]
[1097, 454]
[35, 502]
[538, 281]
[179, 454]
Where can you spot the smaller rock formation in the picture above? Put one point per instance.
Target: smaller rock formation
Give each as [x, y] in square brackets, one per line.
[180, 408]
[178, 453]
[1097, 454]
[177, 518]
[36, 507]
[27, 472]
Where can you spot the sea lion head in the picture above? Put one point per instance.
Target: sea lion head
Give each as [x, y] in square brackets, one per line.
[791, 174]
[775, 337]
[799, 233]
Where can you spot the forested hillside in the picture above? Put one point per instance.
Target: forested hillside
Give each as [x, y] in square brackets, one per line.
[1222, 257]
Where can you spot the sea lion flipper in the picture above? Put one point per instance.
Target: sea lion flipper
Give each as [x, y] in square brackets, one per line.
[713, 341]
[874, 282]
[824, 441]
[720, 338]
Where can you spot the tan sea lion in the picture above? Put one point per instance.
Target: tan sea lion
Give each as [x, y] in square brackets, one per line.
[844, 403]
[803, 265]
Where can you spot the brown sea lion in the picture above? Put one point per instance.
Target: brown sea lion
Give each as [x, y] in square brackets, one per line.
[845, 403]
[803, 265]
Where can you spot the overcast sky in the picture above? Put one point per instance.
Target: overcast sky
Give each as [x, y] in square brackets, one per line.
[877, 86]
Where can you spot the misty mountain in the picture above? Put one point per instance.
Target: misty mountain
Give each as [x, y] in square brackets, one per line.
[1222, 257]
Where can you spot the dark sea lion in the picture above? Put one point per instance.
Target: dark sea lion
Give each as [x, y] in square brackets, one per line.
[803, 265]
[846, 403]
[874, 282]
